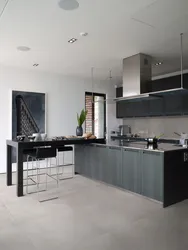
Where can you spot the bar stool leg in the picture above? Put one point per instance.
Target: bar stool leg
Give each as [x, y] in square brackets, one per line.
[72, 165]
[38, 178]
[27, 175]
[57, 172]
[63, 162]
[47, 173]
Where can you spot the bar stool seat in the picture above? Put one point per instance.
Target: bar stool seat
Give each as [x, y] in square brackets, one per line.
[65, 148]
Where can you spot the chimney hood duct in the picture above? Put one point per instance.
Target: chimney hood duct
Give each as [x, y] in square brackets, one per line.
[137, 74]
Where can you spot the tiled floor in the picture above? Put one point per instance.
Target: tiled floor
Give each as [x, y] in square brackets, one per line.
[90, 216]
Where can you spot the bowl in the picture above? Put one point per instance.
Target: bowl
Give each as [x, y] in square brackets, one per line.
[31, 137]
[20, 137]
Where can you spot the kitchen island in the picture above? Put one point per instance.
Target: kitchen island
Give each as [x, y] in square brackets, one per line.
[160, 174]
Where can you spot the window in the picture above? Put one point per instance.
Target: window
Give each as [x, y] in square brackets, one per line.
[96, 118]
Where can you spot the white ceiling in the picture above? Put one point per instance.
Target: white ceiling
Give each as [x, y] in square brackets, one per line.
[116, 28]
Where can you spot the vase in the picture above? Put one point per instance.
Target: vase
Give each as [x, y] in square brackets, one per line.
[79, 131]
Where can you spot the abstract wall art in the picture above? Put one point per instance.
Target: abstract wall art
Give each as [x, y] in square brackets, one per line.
[28, 114]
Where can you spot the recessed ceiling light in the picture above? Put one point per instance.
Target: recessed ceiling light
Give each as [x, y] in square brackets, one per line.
[72, 40]
[68, 4]
[23, 48]
[35, 65]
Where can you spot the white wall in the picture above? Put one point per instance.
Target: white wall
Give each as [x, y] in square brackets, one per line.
[65, 97]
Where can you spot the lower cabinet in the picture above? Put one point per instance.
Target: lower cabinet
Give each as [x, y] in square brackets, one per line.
[131, 170]
[138, 171]
[101, 163]
[152, 175]
[88, 160]
[115, 166]
[79, 159]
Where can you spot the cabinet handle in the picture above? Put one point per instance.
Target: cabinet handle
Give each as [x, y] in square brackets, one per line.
[116, 148]
[101, 146]
[132, 150]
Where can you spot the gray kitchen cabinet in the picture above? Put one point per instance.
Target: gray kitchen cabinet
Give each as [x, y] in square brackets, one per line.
[173, 105]
[90, 154]
[87, 160]
[115, 166]
[156, 107]
[101, 163]
[131, 170]
[185, 104]
[79, 159]
[152, 175]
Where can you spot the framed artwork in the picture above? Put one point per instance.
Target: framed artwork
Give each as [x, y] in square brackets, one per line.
[28, 114]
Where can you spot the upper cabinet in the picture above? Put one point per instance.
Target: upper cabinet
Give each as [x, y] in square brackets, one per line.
[173, 105]
[156, 107]
[119, 92]
[168, 105]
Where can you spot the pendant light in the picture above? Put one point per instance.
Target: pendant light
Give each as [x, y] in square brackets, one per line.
[109, 78]
[181, 41]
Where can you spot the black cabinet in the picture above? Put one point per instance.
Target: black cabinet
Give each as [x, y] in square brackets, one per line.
[126, 109]
[119, 92]
[156, 107]
[123, 109]
[185, 104]
[169, 105]
[173, 105]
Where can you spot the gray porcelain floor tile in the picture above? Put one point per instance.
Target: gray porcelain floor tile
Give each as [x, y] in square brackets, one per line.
[89, 215]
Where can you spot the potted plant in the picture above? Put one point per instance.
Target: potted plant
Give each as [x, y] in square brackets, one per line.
[81, 119]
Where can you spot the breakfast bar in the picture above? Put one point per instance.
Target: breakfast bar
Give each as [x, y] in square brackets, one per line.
[23, 146]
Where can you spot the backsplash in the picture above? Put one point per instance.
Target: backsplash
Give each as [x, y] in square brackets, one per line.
[152, 126]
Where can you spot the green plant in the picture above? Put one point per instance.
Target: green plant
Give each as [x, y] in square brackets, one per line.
[81, 118]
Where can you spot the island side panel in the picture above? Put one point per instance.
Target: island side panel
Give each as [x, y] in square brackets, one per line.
[175, 176]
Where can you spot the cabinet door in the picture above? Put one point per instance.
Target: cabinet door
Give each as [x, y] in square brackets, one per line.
[185, 104]
[102, 163]
[119, 110]
[173, 105]
[79, 159]
[87, 160]
[115, 166]
[131, 170]
[156, 107]
[143, 108]
[92, 162]
[122, 109]
[152, 175]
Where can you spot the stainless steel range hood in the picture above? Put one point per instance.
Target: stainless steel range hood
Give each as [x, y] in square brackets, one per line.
[137, 73]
